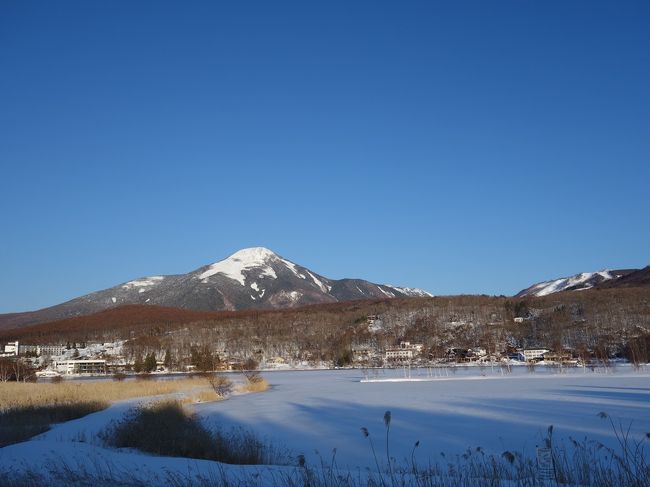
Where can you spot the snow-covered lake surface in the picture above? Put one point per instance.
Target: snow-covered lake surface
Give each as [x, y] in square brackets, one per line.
[315, 412]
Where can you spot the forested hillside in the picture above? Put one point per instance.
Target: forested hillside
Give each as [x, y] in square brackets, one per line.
[608, 321]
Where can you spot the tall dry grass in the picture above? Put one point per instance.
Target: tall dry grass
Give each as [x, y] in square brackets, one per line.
[207, 395]
[21, 395]
[27, 409]
[259, 385]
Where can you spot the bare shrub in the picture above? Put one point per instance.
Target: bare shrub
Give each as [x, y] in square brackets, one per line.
[221, 385]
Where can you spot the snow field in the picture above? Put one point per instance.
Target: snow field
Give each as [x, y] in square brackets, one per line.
[314, 413]
[317, 413]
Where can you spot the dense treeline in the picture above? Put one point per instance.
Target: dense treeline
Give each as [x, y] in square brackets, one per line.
[607, 323]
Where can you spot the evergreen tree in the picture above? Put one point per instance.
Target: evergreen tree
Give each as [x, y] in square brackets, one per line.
[150, 362]
[138, 365]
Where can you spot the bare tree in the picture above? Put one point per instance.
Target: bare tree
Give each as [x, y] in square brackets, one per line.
[22, 371]
[6, 369]
[221, 385]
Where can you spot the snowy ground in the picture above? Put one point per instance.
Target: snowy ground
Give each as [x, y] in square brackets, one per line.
[75, 446]
[323, 410]
[313, 413]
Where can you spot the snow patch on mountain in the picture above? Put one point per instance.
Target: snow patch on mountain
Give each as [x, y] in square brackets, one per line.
[292, 267]
[144, 282]
[319, 283]
[582, 281]
[295, 295]
[387, 293]
[411, 291]
[234, 266]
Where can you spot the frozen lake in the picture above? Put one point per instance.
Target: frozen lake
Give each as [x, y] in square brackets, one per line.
[315, 412]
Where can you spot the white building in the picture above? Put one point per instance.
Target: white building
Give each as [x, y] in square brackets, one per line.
[399, 354]
[535, 354]
[89, 367]
[25, 349]
[15, 348]
[405, 351]
[51, 349]
[12, 348]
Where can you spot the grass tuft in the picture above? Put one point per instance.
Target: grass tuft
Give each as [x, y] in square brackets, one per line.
[167, 428]
[259, 385]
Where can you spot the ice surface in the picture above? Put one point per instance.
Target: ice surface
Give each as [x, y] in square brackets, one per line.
[323, 410]
[314, 412]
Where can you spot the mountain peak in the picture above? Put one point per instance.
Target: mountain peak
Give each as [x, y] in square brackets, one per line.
[253, 254]
[244, 259]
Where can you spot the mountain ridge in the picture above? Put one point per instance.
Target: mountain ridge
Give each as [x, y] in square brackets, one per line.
[251, 278]
[602, 279]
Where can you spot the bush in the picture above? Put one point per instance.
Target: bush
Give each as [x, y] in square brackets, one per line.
[163, 429]
[166, 428]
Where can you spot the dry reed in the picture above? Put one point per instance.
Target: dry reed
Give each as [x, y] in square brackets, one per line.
[259, 385]
[20, 395]
[207, 395]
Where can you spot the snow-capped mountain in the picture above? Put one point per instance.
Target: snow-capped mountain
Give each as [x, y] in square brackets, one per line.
[578, 282]
[250, 278]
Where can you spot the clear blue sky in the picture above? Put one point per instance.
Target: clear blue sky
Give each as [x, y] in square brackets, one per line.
[461, 147]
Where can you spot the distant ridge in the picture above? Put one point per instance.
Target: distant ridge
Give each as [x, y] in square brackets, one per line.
[590, 280]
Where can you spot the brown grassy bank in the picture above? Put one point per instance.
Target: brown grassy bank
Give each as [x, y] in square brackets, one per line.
[28, 409]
